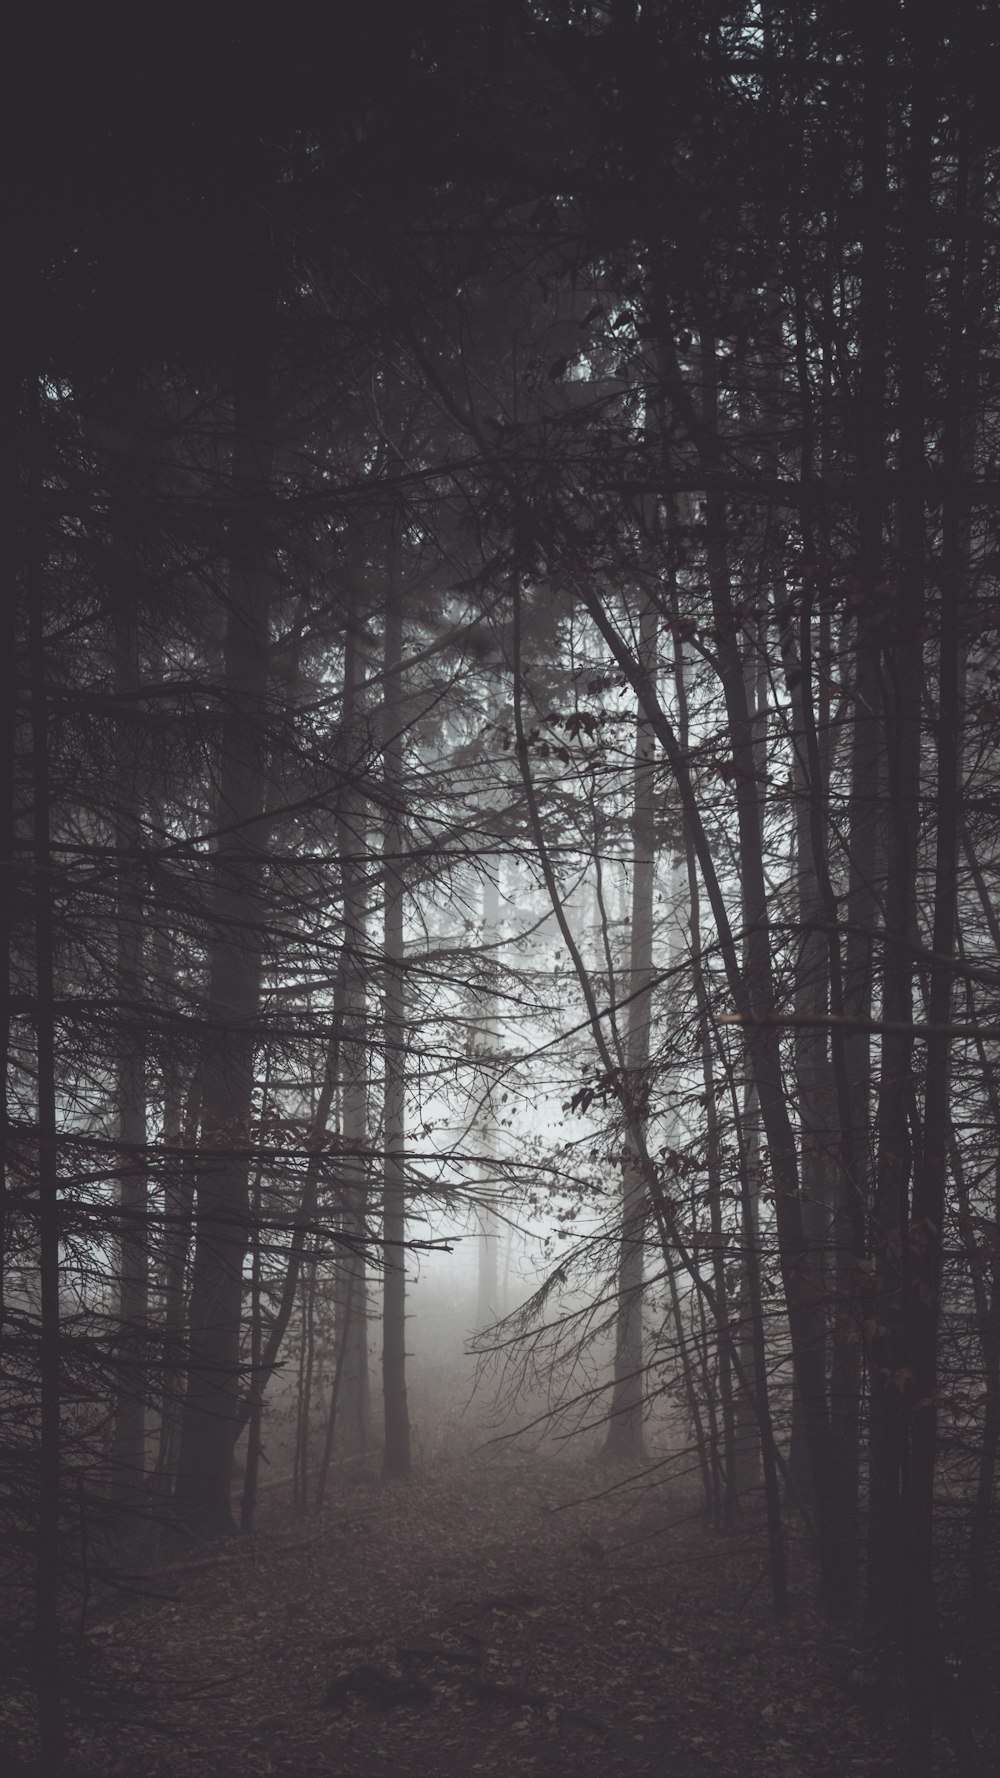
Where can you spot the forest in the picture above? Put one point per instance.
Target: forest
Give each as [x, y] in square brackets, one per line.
[500, 946]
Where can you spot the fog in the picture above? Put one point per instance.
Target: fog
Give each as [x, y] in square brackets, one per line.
[499, 907]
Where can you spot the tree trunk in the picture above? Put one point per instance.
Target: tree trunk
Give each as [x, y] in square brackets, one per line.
[129, 1449]
[8, 835]
[350, 1016]
[258, 1374]
[488, 1268]
[713, 1140]
[625, 1437]
[922, 1312]
[750, 1306]
[180, 1133]
[818, 1123]
[901, 652]
[204, 1472]
[307, 1366]
[46, 1657]
[396, 1455]
[851, 1048]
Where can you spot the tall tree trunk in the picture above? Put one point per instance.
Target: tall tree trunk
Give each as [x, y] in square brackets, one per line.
[307, 1367]
[129, 1449]
[988, 1319]
[751, 1453]
[180, 1134]
[927, 1681]
[834, 1089]
[9, 614]
[749, 1306]
[396, 1455]
[732, 1445]
[902, 660]
[713, 1176]
[488, 1268]
[625, 1437]
[350, 1006]
[818, 1123]
[204, 1471]
[856, 1300]
[46, 1658]
[258, 1373]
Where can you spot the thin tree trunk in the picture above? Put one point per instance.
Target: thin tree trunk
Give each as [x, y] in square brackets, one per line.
[817, 1109]
[306, 1371]
[752, 1458]
[46, 1654]
[927, 1212]
[8, 835]
[987, 1303]
[204, 1471]
[713, 1142]
[297, 1481]
[834, 1092]
[983, 1512]
[759, 1457]
[891, 1374]
[750, 1304]
[350, 1010]
[851, 1048]
[487, 1269]
[625, 1437]
[331, 1420]
[129, 1449]
[396, 1455]
[258, 1374]
[181, 1134]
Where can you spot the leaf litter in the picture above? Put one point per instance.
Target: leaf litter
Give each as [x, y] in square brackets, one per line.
[499, 1615]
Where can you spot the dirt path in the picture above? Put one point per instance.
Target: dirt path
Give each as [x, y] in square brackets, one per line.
[482, 1621]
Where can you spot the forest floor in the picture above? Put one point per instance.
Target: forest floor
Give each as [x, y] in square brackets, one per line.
[504, 1613]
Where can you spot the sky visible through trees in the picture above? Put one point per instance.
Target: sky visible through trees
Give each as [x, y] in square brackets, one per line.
[499, 819]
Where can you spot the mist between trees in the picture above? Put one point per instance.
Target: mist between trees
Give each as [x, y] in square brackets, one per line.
[499, 789]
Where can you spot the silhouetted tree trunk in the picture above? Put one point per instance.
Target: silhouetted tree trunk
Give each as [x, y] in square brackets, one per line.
[129, 1453]
[901, 618]
[180, 1134]
[46, 1656]
[817, 1108]
[488, 1268]
[204, 1471]
[350, 1013]
[713, 1150]
[988, 1318]
[625, 1437]
[396, 1457]
[8, 742]
[928, 1682]
[749, 1307]
[851, 1049]
[307, 1365]
[258, 1373]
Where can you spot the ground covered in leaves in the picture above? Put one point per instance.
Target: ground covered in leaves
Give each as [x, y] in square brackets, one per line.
[504, 1613]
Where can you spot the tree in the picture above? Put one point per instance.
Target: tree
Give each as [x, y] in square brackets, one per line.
[204, 1464]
